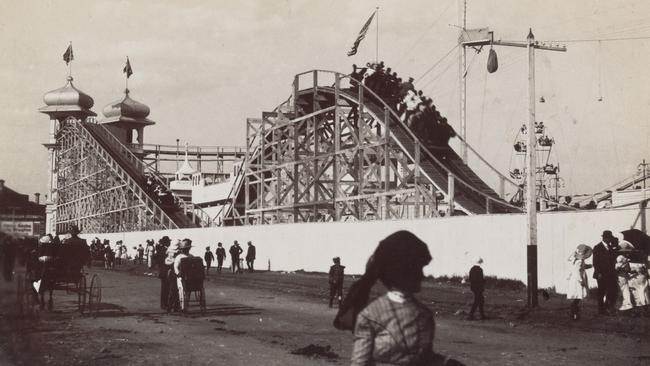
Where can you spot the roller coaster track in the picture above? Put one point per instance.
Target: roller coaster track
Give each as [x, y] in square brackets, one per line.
[183, 215]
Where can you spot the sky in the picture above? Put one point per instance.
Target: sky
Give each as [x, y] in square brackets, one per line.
[203, 67]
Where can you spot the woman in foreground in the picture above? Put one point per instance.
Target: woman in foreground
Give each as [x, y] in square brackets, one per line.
[395, 328]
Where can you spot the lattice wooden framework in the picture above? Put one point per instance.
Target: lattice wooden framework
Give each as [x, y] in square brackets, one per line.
[336, 163]
[94, 192]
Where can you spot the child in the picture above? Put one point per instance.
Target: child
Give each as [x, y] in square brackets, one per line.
[336, 280]
[578, 285]
[209, 258]
[477, 285]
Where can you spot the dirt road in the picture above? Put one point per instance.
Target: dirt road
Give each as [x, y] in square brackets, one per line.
[261, 318]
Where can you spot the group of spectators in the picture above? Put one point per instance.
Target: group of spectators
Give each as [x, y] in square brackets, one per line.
[414, 108]
[167, 258]
[102, 251]
[235, 251]
[620, 270]
[163, 196]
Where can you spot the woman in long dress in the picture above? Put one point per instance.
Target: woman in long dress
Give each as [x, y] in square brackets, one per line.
[395, 328]
[578, 285]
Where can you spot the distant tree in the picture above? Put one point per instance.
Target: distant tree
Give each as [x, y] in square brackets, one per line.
[567, 200]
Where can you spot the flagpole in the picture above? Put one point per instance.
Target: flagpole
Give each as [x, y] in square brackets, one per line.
[377, 37]
[70, 64]
[127, 75]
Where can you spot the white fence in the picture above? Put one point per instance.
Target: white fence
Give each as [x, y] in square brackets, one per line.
[453, 241]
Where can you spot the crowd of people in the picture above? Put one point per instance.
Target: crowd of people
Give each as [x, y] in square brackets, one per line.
[413, 107]
[619, 268]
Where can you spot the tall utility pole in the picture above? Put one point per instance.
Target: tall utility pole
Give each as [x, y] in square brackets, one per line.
[483, 37]
[531, 194]
[462, 73]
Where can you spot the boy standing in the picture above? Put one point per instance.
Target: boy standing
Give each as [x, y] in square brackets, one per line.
[208, 257]
[221, 255]
[477, 285]
[336, 280]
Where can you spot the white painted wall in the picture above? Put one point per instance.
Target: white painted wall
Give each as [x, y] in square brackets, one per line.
[453, 241]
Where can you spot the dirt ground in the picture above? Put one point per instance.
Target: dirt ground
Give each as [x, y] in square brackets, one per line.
[266, 318]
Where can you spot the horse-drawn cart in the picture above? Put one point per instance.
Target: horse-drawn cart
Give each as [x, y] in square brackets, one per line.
[58, 275]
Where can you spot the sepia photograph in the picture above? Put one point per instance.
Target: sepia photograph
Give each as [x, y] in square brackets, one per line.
[303, 182]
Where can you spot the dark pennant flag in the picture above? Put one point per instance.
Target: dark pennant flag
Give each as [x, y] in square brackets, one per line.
[68, 56]
[127, 69]
[361, 36]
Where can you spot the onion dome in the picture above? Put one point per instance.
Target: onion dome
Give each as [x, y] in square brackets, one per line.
[67, 99]
[127, 110]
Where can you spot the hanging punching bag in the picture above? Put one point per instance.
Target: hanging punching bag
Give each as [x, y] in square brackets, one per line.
[493, 63]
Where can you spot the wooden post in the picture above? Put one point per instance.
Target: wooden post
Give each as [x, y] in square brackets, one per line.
[450, 194]
[337, 148]
[417, 180]
[386, 162]
[531, 196]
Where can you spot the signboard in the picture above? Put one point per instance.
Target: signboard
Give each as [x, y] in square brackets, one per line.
[21, 228]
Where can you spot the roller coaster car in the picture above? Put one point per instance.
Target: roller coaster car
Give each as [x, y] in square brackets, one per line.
[550, 169]
[193, 274]
[546, 141]
[519, 147]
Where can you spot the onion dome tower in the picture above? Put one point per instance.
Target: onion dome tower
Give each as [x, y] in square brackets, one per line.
[126, 116]
[67, 101]
[61, 105]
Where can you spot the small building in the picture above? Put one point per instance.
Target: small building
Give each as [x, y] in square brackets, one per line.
[19, 215]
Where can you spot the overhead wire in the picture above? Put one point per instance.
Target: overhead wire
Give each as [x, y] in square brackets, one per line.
[597, 39]
[437, 63]
[405, 54]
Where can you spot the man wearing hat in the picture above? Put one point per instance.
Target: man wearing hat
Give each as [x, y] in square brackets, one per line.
[250, 256]
[75, 250]
[605, 272]
[336, 280]
[477, 285]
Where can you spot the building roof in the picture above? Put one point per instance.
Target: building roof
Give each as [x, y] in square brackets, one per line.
[127, 110]
[67, 99]
[12, 202]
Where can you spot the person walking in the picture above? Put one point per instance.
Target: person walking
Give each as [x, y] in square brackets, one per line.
[8, 254]
[578, 288]
[477, 285]
[140, 251]
[163, 269]
[148, 252]
[118, 255]
[250, 257]
[209, 258]
[335, 280]
[235, 251]
[221, 255]
[604, 272]
[184, 252]
[395, 328]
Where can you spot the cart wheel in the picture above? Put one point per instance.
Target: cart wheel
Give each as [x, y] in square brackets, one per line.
[95, 295]
[202, 300]
[81, 294]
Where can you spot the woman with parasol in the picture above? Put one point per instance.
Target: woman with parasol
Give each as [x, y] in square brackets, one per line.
[578, 285]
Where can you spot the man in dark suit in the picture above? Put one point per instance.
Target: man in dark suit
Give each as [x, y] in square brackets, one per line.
[604, 272]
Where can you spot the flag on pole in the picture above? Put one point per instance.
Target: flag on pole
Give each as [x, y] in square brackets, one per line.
[361, 36]
[127, 69]
[68, 56]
